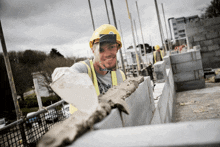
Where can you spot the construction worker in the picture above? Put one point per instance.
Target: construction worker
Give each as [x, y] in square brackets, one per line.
[158, 54]
[104, 43]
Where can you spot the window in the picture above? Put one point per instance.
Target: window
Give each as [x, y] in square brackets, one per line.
[182, 21]
[174, 24]
[182, 35]
[175, 28]
[176, 33]
[181, 31]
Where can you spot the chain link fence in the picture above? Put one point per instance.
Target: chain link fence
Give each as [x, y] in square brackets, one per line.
[27, 131]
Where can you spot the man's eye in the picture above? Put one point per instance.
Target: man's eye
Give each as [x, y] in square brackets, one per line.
[101, 50]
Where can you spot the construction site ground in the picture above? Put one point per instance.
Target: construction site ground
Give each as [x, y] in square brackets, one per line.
[199, 104]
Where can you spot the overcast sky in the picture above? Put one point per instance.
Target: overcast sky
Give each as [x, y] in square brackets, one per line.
[66, 24]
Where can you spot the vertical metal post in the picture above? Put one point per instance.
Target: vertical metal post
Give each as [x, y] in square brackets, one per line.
[137, 37]
[123, 44]
[91, 15]
[166, 28]
[113, 13]
[107, 12]
[129, 16]
[158, 17]
[145, 54]
[36, 87]
[137, 58]
[10, 76]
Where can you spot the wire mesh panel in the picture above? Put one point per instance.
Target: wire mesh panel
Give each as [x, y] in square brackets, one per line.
[27, 131]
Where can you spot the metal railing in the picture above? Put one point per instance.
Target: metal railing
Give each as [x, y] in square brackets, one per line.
[27, 131]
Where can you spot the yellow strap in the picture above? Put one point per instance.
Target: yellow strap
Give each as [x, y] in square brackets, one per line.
[123, 75]
[89, 70]
[155, 60]
[162, 53]
[95, 82]
[114, 78]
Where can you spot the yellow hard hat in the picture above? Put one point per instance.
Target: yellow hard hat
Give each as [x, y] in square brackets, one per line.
[105, 29]
[157, 47]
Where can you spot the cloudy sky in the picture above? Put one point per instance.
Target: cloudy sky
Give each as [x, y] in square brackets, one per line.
[66, 25]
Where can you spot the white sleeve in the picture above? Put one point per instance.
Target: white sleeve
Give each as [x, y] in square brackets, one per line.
[58, 72]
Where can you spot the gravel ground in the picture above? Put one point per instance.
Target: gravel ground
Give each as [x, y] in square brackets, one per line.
[198, 104]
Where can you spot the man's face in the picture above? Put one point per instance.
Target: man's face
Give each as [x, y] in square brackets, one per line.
[106, 55]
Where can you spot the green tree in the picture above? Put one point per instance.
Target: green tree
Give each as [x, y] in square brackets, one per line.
[213, 10]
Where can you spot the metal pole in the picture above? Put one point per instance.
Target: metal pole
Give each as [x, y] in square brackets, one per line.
[138, 62]
[166, 28]
[10, 76]
[91, 15]
[122, 42]
[107, 12]
[36, 87]
[137, 37]
[159, 24]
[122, 60]
[129, 16]
[145, 54]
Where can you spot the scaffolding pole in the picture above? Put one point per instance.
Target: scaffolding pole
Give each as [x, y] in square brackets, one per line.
[107, 12]
[160, 26]
[91, 15]
[122, 60]
[145, 54]
[166, 29]
[10, 75]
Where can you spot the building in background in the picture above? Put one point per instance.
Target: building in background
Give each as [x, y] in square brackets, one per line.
[177, 27]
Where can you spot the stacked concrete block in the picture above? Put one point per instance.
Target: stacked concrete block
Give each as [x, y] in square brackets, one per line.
[206, 33]
[188, 70]
[141, 107]
[160, 71]
[164, 103]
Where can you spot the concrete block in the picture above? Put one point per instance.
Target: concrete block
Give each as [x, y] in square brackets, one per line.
[139, 105]
[189, 66]
[113, 120]
[190, 39]
[204, 49]
[167, 61]
[214, 28]
[216, 40]
[213, 47]
[198, 55]
[190, 31]
[167, 118]
[195, 43]
[211, 21]
[206, 43]
[184, 76]
[181, 58]
[217, 52]
[201, 74]
[156, 117]
[174, 68]
[162, 103]
[199, 37]
[190, 85]
[193, 133]
[208, 54]
[212, 35]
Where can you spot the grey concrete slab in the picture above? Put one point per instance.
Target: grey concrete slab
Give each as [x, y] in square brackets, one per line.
[198, 104]
[113, 120]
[198, 133]
[189, 66]
[190, 85]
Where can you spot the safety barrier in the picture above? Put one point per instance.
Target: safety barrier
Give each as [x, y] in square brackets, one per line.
[27, 131]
